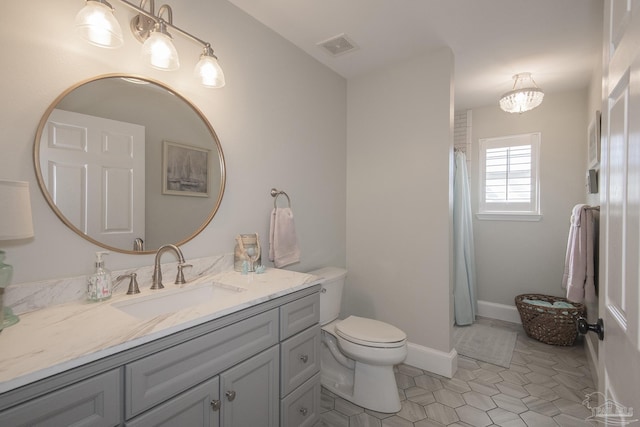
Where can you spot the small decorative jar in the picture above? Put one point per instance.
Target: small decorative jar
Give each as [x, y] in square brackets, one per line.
[247, 249]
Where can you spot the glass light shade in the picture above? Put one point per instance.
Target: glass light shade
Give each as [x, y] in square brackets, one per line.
[209, 72]
[158, 50]
[96, 24]
[519, 101]
[525, 95]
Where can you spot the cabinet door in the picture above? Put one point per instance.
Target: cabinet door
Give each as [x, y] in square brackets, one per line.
[249, 392]
[195, 407]
[92, 402]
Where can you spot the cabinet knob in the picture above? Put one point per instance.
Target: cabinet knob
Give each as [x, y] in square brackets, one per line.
[230, 395]
[215, 405]
[304, 358]
[304, 411]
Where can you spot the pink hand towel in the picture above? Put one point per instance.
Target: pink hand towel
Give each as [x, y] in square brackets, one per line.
[578, 276]
[283, 241]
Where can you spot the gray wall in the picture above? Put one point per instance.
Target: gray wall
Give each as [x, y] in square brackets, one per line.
[514, 257]
[281, 120]
[400, 143]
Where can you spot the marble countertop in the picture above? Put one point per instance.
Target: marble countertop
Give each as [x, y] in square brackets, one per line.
[57, 338]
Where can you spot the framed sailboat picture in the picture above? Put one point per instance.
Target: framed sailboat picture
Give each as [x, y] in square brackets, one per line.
[185, 170]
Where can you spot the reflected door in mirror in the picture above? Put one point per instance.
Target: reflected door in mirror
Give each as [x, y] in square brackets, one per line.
[94, 169]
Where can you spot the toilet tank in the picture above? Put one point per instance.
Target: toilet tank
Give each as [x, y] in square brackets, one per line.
[332, 280]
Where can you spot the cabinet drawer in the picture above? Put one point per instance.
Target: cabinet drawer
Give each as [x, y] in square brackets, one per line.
[165, 374]
[298, 315]
[302, 407]
[93, 402]
[299, 359]
[191, 408]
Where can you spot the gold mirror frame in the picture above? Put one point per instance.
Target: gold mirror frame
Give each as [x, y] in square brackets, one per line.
[169, 90]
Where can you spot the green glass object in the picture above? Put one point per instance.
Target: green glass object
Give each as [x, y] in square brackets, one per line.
[7, 318]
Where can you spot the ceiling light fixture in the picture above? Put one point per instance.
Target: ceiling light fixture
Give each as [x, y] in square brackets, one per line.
[525, 95]
[97, 24]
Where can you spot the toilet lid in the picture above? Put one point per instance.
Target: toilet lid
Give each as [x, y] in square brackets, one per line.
[370, 332]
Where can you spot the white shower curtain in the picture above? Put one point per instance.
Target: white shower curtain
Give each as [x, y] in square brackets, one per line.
[464, 290]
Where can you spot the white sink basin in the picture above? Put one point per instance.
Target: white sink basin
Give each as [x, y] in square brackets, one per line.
[172, 300]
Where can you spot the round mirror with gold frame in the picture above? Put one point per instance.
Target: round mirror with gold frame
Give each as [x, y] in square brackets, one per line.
[129, 164]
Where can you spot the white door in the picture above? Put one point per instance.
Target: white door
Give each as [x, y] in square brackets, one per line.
[619, 356]
[94, 170]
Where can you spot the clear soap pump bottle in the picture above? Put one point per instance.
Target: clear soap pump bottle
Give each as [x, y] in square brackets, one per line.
[99, 286]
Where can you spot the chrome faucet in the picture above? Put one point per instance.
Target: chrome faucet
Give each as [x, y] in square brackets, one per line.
[157, 270]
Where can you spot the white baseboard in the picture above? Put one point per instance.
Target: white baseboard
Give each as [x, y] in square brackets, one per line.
[492, 310]
[428, 359]
[446, 364]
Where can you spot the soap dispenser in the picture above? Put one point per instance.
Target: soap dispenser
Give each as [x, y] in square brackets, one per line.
[99, 286]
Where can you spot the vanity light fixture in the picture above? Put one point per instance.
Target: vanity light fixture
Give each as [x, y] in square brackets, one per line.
[151, 30]
[525, 95]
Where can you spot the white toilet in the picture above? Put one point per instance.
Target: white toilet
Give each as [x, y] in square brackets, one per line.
[357, 354]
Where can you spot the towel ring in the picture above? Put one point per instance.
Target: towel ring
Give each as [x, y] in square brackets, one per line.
[275, 193]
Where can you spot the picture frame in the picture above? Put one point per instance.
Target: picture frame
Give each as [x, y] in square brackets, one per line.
[593, 148]
[185, 170]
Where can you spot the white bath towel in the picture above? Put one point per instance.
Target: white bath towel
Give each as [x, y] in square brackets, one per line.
[283, 241]
[578, 278]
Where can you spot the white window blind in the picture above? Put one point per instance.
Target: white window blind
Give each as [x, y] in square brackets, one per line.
[509, 181]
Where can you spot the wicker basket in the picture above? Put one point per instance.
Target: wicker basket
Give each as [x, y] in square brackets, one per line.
[550, 325]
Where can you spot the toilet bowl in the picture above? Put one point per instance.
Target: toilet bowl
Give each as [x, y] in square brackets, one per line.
[357, 354]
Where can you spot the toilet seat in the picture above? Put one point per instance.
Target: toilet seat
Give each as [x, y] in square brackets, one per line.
[370, 333]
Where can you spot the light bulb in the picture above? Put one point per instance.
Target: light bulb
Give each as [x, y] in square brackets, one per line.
[96, 24]
[158, 50]
[209, 72]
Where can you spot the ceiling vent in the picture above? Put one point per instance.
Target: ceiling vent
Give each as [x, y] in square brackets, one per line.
[338, 45]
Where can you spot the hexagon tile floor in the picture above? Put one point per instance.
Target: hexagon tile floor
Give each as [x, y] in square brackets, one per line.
[544, 386]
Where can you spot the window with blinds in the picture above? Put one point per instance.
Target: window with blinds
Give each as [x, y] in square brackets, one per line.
[509, 178]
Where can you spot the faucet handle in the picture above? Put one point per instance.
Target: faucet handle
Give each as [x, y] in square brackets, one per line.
[133, 283]
[180, 276]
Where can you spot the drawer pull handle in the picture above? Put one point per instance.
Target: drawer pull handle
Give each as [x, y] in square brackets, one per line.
[304, 358]
[215, 405]
[304, 411]
[230, 395]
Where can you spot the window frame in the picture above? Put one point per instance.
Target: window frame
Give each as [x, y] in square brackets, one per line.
[513, 211]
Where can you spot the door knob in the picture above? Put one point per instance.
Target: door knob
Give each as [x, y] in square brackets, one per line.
[215, 405]
[584, 327]
[230, 395]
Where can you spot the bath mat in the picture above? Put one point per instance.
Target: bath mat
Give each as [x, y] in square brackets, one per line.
[481, 342]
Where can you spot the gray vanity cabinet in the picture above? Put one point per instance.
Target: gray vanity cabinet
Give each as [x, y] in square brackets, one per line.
[158, 377]
[300, 362]
[256, 367]
[94, 402]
